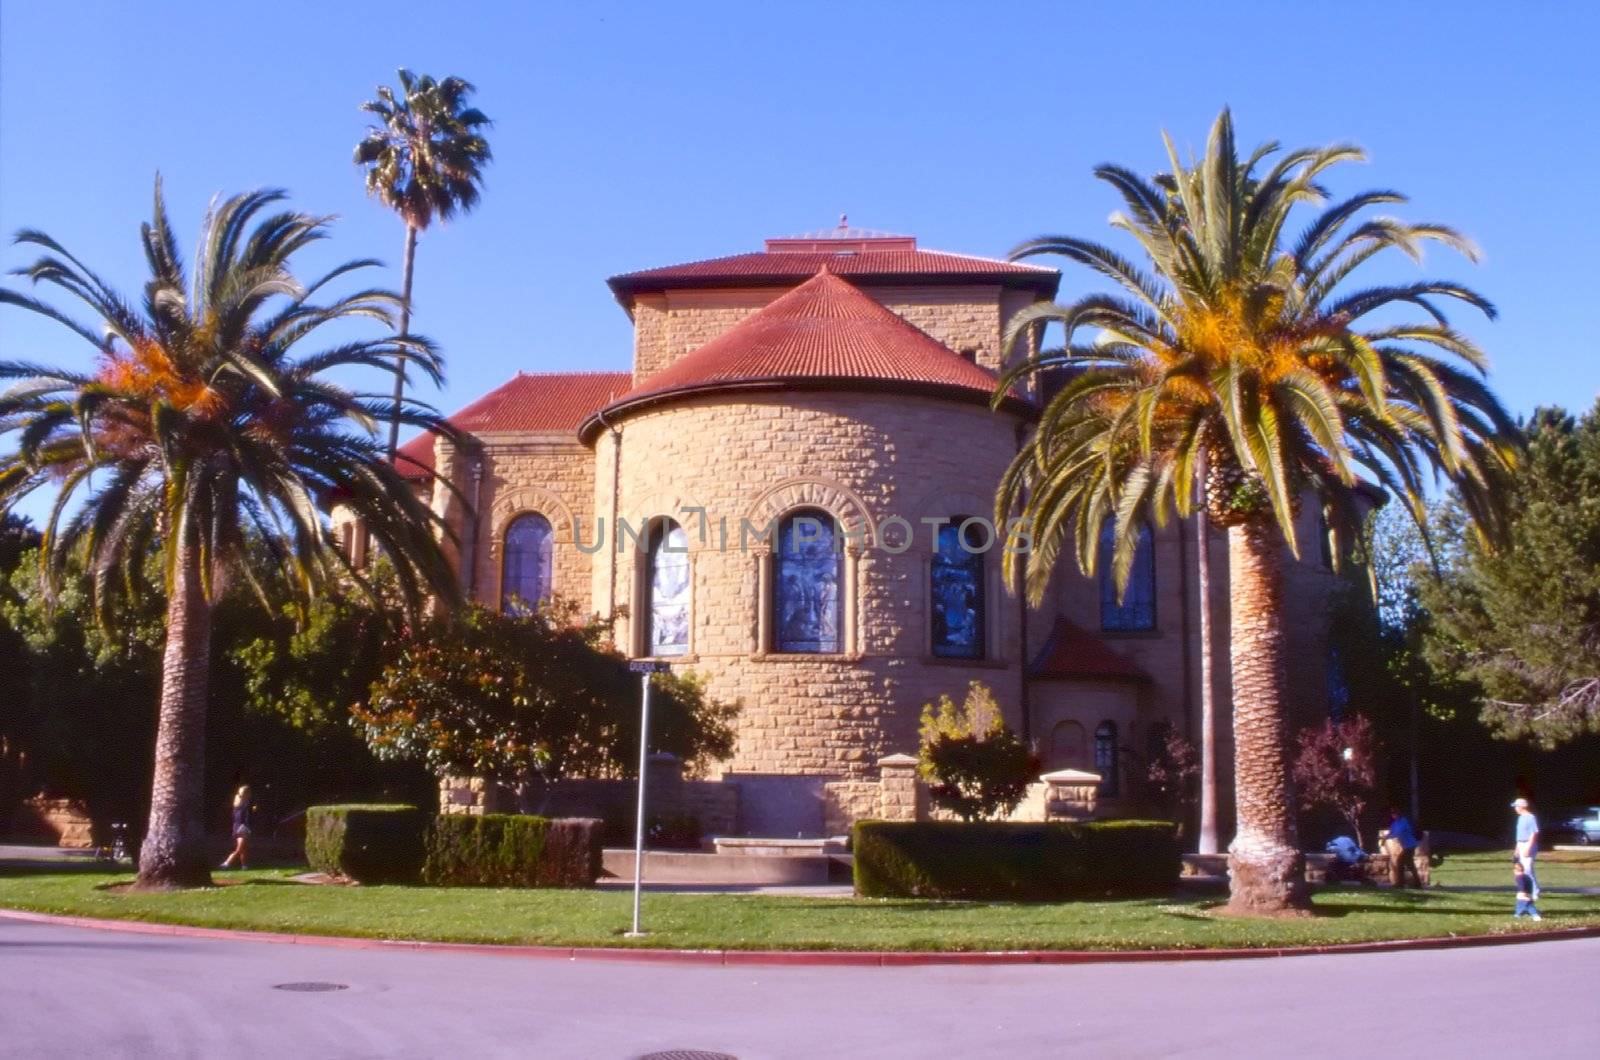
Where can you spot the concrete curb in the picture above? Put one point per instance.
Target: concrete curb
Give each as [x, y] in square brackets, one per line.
[839, 958]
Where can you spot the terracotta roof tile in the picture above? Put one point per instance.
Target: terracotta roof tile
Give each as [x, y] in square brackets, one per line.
[824, 332]
[1073, 651]
[862, 257]
[540, 402]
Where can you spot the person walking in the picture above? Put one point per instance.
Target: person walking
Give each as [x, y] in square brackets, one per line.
[1527, 844]
[1525, 906]
[1402, 846]
[241, 829]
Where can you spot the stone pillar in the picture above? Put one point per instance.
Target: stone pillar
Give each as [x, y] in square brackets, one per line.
[450, 463]
[901, 795]
[1072, 795]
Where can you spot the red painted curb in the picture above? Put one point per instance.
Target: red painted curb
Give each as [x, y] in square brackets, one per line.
[832, 958]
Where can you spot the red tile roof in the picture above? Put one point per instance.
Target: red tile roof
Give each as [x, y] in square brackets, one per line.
[862, 256]
[825, 333]
[1073, 651]
[542, 402]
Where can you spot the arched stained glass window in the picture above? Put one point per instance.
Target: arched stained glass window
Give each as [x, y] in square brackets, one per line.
[668, 589]
[525, 574]
[807, 578]
[957, 589]
[1135, 612]
[1105, 756]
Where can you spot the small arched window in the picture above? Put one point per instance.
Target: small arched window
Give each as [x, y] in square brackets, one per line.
[808, 576]
[667, 591]
[1135, 610]
[1105, 756]
[525, 572]
[956, 587]
[1069, 747]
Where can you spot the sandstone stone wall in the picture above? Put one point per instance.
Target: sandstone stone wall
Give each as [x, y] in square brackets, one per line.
[968, 319]
[863, 458]
[553, 475]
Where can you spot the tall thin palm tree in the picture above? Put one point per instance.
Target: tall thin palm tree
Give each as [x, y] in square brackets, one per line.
[206, 432]
[1237, 347]
[425, 162]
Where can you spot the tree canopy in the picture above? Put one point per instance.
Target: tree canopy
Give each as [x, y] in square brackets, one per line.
[1523, 622]
[508, 697]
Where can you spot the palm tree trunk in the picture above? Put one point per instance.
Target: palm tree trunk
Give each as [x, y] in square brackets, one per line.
[174, 853]
[1208, 689]
[405, 329]
[1264, 861]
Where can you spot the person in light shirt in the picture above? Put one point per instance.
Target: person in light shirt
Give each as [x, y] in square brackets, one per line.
[1527, 844]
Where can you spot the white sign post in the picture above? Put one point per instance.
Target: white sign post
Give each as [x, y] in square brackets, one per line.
[644, 669]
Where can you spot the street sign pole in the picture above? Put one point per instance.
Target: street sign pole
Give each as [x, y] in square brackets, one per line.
[644, 669]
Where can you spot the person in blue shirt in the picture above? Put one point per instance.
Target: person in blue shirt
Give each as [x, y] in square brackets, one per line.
[1402, 850]
[1527, 844]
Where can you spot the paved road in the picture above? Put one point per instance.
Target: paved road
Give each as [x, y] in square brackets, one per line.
[72, 992]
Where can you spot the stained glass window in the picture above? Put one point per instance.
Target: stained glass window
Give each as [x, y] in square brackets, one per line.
[1135, 612]
[956, 586]
[525, 581]
[668, 587]
[1105, 756]
[807, 578]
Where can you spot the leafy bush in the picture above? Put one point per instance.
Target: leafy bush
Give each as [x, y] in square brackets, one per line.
[498, 696]
[1022, 862]
[975, 766]
[367, 843]
[512, 850]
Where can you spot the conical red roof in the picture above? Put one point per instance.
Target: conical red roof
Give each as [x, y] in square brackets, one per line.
[824, 333]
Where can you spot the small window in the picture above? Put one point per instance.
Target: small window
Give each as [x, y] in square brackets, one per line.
[1105, 757]
[525, 574]
[807, 577]
[956, 586]
[667, 589]
[1135, 611]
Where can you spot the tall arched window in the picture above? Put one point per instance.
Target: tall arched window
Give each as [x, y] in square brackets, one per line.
[1069, 746]
[808, 576]
[525, 573]
[956, 590]
[1135, 611]
[1105, 756]
[667, 590]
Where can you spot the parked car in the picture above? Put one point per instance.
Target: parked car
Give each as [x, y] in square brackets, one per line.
[1576, 826]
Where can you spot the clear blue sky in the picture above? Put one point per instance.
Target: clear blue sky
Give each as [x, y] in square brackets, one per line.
[635, 135]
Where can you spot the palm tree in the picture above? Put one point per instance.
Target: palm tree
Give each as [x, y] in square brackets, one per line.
[1240, 351]
[424, 161]
[205, 433]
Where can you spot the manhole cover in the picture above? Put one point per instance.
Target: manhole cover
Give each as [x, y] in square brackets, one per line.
[688, 1054]
[310, 988]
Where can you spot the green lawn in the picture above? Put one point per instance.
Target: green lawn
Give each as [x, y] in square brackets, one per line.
[267, 900]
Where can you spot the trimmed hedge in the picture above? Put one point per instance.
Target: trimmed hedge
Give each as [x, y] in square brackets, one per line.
[368, 844]
[1020, 862]
[512, 850]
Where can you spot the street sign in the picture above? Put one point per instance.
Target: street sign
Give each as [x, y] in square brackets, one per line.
[648, 666]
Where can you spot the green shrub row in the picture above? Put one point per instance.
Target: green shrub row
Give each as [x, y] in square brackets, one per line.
[1020, 862]
[512, 850]
[369, 844]
[402, 844]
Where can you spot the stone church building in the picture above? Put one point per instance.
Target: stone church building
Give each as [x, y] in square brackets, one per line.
[788, 492]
